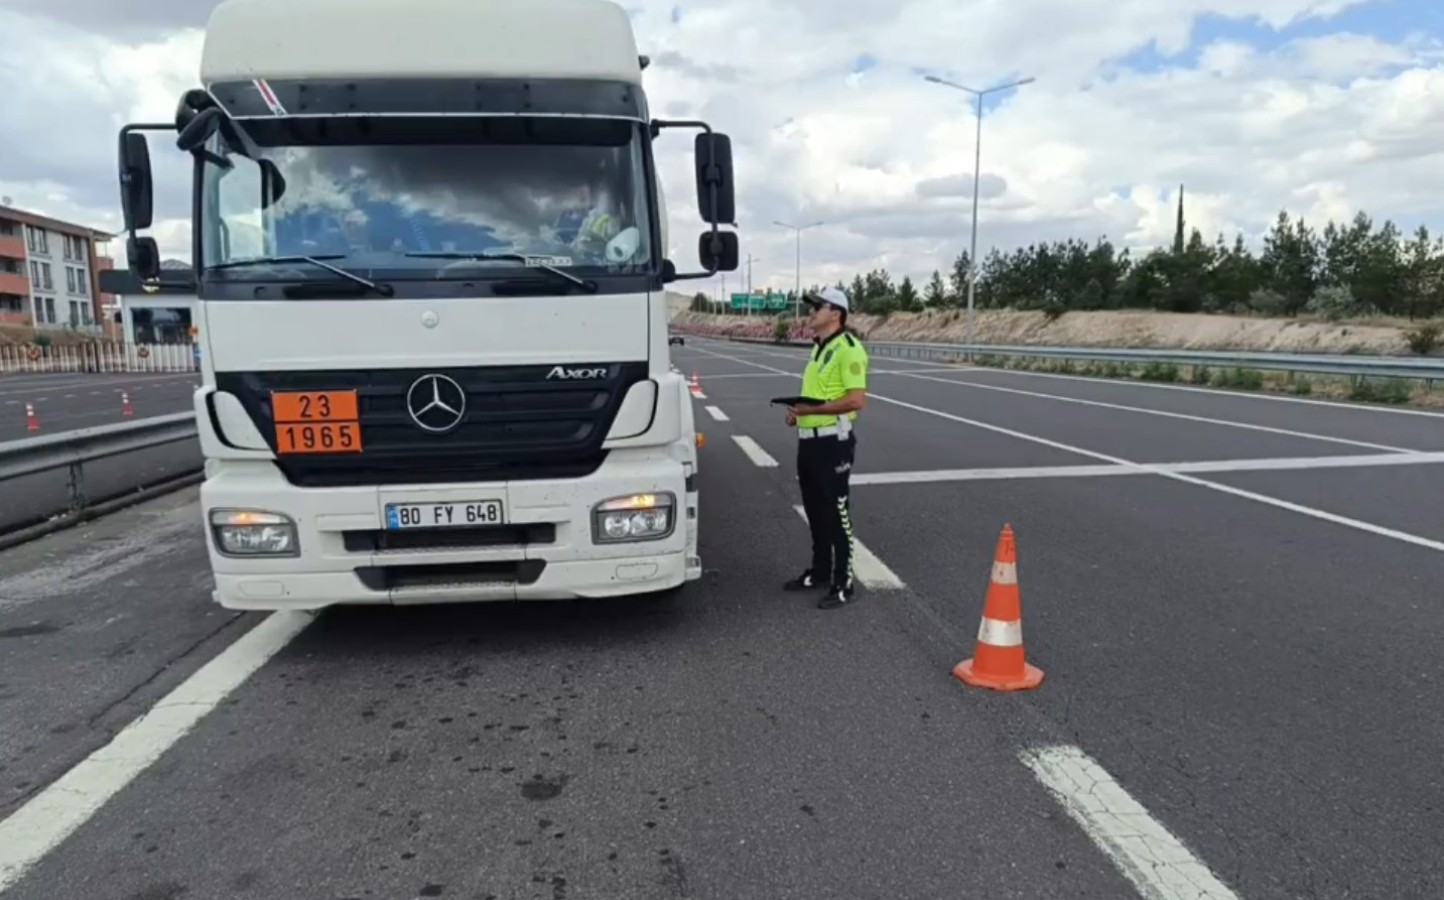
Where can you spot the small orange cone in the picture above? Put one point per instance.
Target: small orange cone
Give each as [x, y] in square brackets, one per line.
[998, 661]
[696, 384]
[31, 422]
[125, 409]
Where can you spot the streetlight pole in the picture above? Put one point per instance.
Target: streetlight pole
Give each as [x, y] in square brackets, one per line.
[977, 175]
[797, 298]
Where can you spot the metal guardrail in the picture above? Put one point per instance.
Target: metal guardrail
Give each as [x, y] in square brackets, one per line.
[1424, 368]
[73, 449]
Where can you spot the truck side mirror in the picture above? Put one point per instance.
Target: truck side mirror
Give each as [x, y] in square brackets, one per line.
[273, 183]
[143, 256]
[135, 181]
[715, 182]
[718, 250]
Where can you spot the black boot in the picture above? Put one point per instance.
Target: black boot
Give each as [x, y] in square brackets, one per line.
[805, 582]
[838, 595]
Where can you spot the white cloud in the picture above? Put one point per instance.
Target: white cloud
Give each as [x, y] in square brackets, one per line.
[1323, 125]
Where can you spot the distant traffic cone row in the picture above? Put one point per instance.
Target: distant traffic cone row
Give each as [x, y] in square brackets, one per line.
[999, 662]
[32, 423]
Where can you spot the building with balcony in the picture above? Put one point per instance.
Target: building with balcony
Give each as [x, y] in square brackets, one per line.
[50, 273]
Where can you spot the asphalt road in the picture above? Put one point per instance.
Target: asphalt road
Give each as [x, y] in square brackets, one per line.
[1236, 601]
[67, 401]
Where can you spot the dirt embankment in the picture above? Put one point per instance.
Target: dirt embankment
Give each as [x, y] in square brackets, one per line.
[1140, 329]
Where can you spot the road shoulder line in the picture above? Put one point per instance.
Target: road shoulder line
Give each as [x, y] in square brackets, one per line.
[52, 815]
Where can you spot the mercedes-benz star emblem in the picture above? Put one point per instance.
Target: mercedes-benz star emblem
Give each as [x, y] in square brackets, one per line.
[436, 403]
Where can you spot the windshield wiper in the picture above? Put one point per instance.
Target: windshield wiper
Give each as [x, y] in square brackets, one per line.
[384, 290]
[531, 262]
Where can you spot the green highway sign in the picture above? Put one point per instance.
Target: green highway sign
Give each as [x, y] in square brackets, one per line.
[759, 302]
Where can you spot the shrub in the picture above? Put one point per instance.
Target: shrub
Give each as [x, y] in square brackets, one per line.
[1335, 303]
[1383, 390]
[1157, 371]
[1425, 338]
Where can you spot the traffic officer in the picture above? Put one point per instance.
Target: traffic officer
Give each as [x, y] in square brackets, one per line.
[836, 374]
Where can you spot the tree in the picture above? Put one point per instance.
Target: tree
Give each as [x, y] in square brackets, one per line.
[907, 297]
[1292, 262]
[1365, 267]
[937, 294]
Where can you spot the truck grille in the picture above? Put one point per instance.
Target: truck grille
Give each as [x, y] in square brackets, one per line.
[518, 424]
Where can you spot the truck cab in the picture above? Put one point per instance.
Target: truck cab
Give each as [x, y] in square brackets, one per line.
[430, 255]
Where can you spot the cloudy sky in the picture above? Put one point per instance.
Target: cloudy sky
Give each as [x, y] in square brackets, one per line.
[1322, 107]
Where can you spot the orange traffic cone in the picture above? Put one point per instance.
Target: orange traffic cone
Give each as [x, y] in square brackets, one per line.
[998, 661]
[125, 409]
[31, 422]
[696, 384]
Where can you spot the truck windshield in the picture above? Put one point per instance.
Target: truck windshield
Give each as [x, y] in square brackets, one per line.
[412, 198]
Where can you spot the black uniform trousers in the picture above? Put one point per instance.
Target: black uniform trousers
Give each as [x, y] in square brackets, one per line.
[824, 467]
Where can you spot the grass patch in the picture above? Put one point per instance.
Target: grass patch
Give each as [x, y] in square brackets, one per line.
[1380, 390]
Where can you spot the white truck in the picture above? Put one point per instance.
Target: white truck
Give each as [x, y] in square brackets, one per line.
[430, 254]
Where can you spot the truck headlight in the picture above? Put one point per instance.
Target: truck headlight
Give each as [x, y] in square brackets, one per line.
[250, 532]
[639, 517]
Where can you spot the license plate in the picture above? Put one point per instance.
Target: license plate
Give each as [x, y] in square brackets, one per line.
[461, 514]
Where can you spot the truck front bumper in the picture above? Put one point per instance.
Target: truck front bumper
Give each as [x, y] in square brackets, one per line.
[545, 550]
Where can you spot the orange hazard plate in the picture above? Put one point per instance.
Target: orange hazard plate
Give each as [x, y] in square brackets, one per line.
[314, 406]
[322, 437]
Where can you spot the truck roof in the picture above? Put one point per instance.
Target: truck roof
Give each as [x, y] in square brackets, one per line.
[430, 39]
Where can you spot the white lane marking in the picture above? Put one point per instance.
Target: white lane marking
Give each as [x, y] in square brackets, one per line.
[717, 414]
[754, 451]
[1283, 464]
[52, 815]
[1217, 392]
[866, 567]
[1308, 435]
[1153, 385]
[699, 395]
[1357, 524]
[1154, 469]
[1157, 863]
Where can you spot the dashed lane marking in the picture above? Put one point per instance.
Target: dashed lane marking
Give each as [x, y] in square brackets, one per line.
[866, 567]
[52, 815]
[717, 414]
[754, 452]
[1148, 855]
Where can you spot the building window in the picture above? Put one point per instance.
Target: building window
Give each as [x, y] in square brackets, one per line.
[48, 284]
[82, 282]
[35, 274]
[50, 310]
[38, 240]
[69, 272]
